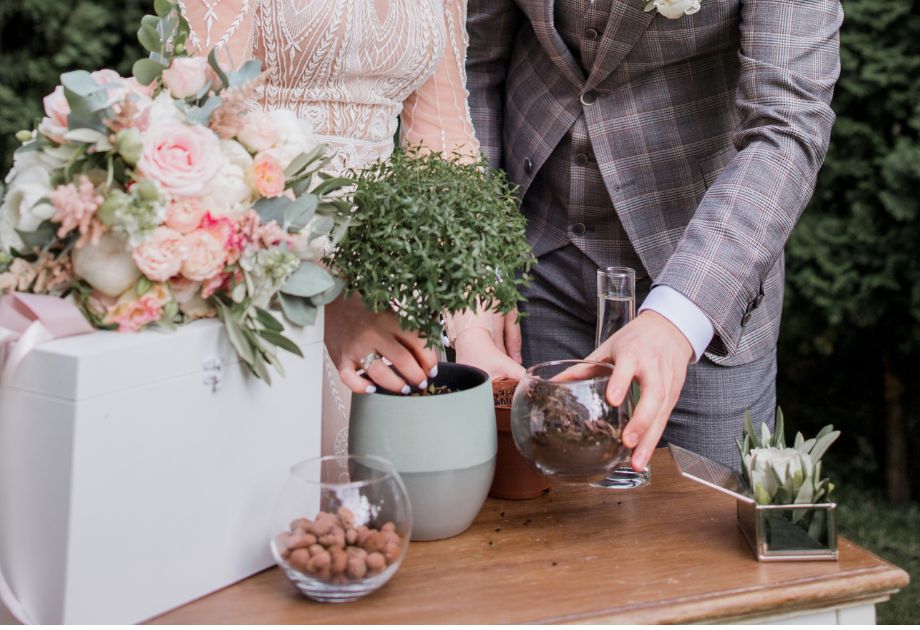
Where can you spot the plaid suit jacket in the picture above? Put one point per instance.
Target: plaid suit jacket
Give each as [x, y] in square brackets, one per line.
[709, 131]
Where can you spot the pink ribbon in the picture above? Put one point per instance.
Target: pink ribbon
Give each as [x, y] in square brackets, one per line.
[26, 321]
[29, 320]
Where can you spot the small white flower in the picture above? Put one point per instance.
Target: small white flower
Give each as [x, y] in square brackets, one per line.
[25, 205]
[673, 9]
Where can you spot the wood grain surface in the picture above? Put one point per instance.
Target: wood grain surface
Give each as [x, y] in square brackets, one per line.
[669, 552]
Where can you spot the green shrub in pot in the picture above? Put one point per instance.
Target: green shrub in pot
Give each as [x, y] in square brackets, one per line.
[433, 235]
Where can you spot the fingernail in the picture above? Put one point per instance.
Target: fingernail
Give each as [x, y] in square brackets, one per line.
[423, 384]
[616, 394]
[631, 439]
[370, 389]
[406, 390]
[433, 372]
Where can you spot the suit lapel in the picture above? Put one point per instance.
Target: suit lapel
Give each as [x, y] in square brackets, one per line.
[544, 27]
[626, 25]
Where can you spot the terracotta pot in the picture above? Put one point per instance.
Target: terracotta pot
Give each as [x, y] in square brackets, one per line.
[514, 478]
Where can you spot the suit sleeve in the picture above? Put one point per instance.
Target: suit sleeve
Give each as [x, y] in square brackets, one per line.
[492, 25]
[789, 62]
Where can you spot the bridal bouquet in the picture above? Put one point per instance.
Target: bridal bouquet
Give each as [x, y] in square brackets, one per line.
[164, 197]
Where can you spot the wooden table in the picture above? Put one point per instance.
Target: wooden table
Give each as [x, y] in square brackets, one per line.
[669, 552]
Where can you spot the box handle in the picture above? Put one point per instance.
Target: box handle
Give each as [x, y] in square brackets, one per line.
[213, 373]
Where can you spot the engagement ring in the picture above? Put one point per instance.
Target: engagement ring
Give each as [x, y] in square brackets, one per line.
[370, 358]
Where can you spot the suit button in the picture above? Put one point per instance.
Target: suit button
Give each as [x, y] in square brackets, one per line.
[746, 319]
[582, 159]
[528, 166]
[591, 34]
[589, 97]
[757, 301]
[579, 229]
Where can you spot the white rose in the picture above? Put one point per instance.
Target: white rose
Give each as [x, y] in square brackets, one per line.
[107, 266]
[25, 206]
[186, 76]
[259, 132]
[228, 193]
[48, 159]
[295, 136]
[673, 9]
[161, 108]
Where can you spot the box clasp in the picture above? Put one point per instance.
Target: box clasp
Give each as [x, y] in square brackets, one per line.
[213, 376]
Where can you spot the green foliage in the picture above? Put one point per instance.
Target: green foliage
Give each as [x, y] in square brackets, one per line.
[853, 288]
[432, 236]
[40, 39]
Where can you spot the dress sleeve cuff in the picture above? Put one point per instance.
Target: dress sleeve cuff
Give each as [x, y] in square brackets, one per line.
[687, 316]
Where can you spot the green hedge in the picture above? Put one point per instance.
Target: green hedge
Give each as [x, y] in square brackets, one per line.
[853, 308]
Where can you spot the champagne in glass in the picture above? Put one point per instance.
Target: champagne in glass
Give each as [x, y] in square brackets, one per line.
[616, 307]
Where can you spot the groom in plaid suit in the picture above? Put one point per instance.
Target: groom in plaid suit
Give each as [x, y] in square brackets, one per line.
[683, 142]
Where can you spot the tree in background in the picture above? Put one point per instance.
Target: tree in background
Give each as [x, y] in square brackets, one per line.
[852, 340]
[40, 39]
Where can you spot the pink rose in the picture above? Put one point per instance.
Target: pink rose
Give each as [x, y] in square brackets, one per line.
[184, 215]
[204, 256]
[186, 76]
[266, 176]
[54, 125]
[227, 234]
[181, 158]
[259, 132]
[131, 313]
[160, 256]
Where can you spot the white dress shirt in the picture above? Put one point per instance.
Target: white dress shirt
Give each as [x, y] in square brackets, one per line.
[687, 316]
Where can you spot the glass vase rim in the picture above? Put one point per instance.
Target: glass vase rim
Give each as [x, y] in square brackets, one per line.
[384, 469]
[570, 362]
[628, 271]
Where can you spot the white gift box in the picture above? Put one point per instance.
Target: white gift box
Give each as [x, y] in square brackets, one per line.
[139, 471]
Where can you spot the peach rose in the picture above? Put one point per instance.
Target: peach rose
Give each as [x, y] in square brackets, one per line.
[54, 125]
[181, 158]
[186, 76]
[205, 256]
[184, 215]
[131, 313]
[259, 132]
[266, 176]
[160, 256]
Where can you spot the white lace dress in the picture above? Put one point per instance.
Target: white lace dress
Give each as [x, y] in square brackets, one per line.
[351, 67]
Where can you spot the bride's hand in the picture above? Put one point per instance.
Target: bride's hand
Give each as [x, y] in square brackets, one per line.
[476, 346]
[354, 334]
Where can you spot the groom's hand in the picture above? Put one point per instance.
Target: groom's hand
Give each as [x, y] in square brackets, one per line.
[651, 350]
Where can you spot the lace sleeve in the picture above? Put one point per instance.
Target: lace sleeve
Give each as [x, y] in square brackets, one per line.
[226, 25]
[437, 115]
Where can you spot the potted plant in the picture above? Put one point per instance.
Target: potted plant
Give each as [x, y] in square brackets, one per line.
[432, 235]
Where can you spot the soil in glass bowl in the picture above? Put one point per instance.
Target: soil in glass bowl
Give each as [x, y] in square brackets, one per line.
[567, 430]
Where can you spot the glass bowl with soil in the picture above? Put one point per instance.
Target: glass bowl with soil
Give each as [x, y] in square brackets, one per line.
[565, 427]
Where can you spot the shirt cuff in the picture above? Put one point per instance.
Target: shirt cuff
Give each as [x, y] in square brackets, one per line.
[687, 316]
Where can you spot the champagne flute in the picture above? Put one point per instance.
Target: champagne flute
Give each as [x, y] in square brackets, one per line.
[616, 307]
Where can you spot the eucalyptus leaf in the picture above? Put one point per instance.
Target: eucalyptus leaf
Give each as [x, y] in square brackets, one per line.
[80, 82]
[329, 295]
[299, 212]
[89, 136]
[299, 311]
[248, 71]
[163, 7]
[303, 160]
[310, 279]
[149, 38]
[201, 115]
[272, 209]
[146, 71]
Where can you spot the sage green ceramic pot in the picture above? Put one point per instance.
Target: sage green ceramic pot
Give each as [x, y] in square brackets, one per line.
[443, 447]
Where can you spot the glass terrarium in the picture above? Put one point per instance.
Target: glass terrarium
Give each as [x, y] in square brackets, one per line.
[804, 531]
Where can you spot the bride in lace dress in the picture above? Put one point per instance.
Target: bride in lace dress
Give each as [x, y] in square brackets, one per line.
[353, 68]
